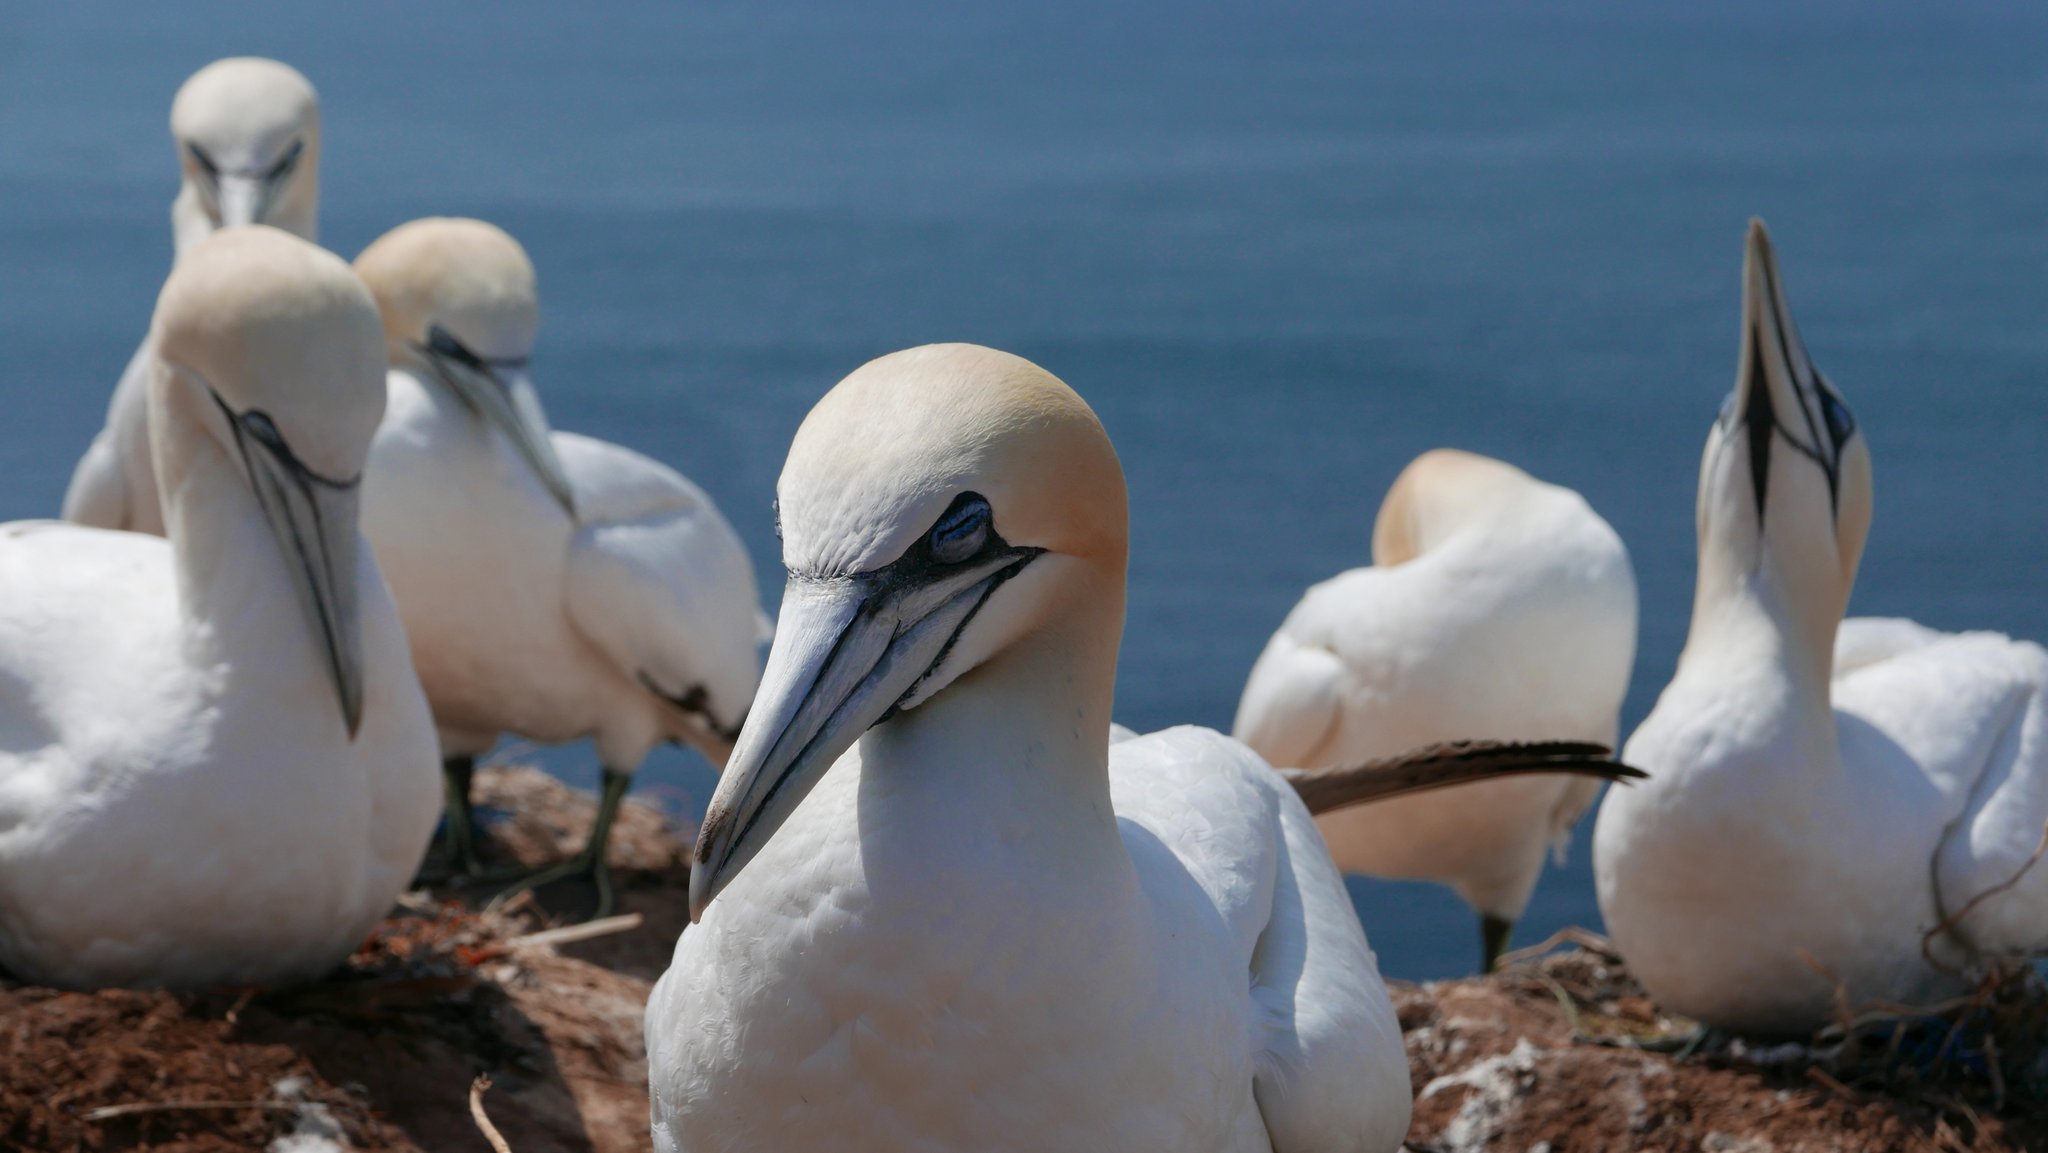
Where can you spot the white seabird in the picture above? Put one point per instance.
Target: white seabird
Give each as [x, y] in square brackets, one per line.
[248, 137]
[1818, 802]
[553, 586]
[216, 765]
[1496, 606]
[936, 908]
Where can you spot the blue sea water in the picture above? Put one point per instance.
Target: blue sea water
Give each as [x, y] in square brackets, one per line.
[1281, 247]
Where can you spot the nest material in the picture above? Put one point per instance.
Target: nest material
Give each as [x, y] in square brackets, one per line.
[382, 1053]
[1971, 1073]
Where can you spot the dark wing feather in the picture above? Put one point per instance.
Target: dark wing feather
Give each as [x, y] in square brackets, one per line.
[1443, 766]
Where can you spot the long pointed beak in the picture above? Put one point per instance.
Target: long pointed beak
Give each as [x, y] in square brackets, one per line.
[848, 651]
[242, 199]
[314, 520]
[1779, 394]
[507, 399]
[707, 734]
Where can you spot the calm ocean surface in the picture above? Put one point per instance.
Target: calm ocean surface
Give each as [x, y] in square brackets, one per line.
[1282, 248]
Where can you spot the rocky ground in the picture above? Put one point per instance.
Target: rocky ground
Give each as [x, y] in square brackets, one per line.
[1549, 1055]
[382, 1055]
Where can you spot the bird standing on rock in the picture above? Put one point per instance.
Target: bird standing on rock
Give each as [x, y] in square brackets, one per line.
[552, 585]
[216, 764]
[1497, 606]
[248, 137]
[1856, 803]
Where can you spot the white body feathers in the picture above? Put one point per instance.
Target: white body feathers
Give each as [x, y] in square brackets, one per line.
[1785, 821]
[1500, 608]
[523, 619]
[1200, 974]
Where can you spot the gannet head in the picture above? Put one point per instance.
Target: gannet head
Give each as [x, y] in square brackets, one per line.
[460, 306]
[939, 507]
[1438, 494]
[283, 342]
[248, 135]
[1785, 481]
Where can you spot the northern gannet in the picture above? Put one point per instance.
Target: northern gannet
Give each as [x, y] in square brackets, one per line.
[935, 907]
[1817, 801]
[1496, 606]
[216, 765]
[554, 586]
[248, 137]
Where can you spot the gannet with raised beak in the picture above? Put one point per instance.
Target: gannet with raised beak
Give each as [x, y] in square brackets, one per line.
[553, 586]
[247, 132]
[1810, 813]
[935, 907]
[217, 765]
[1497, 606]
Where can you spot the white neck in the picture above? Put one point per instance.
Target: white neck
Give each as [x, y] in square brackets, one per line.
[1015, 754]
[1749, 643]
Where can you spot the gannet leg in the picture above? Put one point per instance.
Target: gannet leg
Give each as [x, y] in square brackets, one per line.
[1684, 1043]
[1493, 940]
[590, 861]
[456, 774]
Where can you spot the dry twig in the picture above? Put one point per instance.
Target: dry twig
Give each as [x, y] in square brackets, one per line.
[1953, 921]
[483, 1119]
[1845, 1013]
[234, 1014]
[1571, 934]
[110, 1112]
[570, 934]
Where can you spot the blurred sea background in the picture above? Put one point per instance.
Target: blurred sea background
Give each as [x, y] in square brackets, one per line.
[1281, 247]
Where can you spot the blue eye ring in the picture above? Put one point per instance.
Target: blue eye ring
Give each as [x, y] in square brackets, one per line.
[1840, 421]
[962, 530]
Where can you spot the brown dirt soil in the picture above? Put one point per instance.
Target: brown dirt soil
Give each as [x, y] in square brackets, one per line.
[380, 1056]
[1500, 1063]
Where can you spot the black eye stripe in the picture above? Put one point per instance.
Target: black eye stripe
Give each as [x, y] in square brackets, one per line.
[288, 161]
[263, 428]
[257, 425]
[444, 344]
[278, 169]
[964, 534]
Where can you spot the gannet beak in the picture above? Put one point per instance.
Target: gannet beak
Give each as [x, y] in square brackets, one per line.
[526, 423]
[1779, 395]
[848, 652]
[314, 519]
[506, 398]
[242, 199]
[708, 735]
